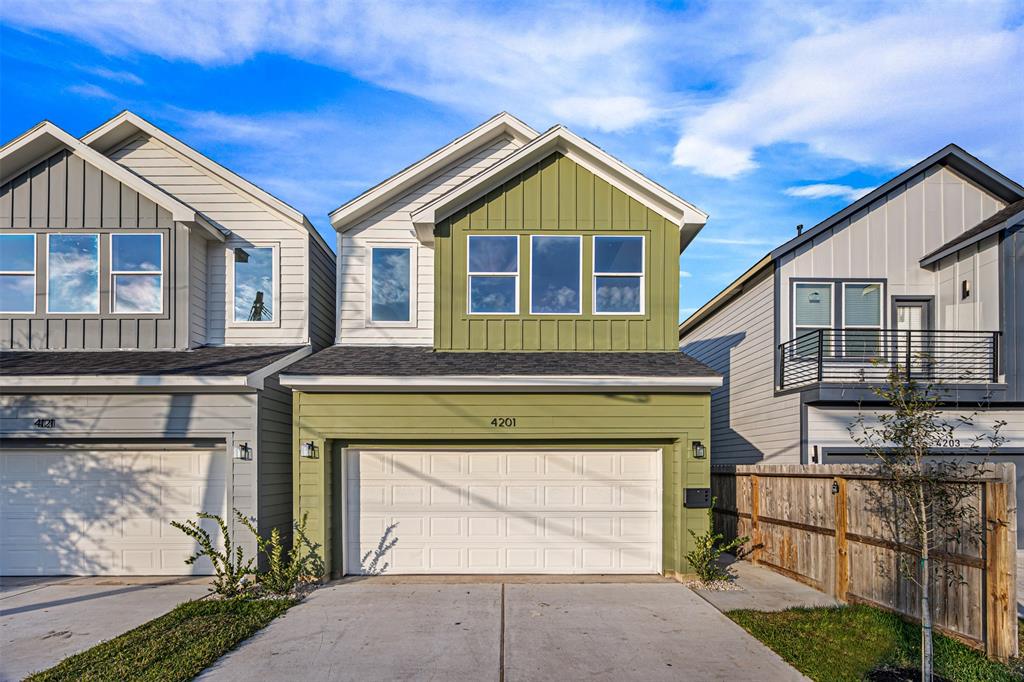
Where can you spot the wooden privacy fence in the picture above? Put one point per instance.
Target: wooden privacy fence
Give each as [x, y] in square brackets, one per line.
[819, 525]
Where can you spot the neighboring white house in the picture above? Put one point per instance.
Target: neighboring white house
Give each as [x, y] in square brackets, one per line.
[148, 299]
[929, 266]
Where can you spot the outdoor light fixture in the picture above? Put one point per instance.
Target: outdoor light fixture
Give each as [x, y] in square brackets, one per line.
[699, 451]
[965, 289]
[243, 451]
[308, 450]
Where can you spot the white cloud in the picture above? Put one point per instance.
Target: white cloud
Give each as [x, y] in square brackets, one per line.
[592, 66]
[882, 90]
[824, 190]
[684, 274]
[92, 91]
[113, 75]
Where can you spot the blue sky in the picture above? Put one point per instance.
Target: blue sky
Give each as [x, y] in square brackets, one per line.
[764, 114]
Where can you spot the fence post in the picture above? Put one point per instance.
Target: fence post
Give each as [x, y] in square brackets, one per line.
[842, 549]
[1000, 590]
[755, 533]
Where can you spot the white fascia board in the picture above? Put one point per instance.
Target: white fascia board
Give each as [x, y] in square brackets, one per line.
[209, 228]
[256, 379]
[568, 383]
[128, 124]
[47, 135]
[504, 123]
[96, 381]
[685, 215]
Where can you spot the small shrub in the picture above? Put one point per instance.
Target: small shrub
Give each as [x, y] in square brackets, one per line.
[709, 547]
[230, 565]
[285, 570]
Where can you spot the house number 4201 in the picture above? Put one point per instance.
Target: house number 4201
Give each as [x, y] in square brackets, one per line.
[503, 422]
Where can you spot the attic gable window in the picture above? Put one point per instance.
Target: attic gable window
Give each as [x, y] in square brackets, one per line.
[493, 270]
[136, 273]
[254, 289]
[618, 275]
[17, 273]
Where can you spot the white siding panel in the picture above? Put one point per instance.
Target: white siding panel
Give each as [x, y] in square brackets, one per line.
[393, 224]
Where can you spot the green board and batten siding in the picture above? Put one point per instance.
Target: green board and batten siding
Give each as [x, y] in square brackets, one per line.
[550, 420]
[557, 195]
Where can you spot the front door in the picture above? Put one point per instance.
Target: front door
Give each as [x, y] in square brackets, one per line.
[913, 319]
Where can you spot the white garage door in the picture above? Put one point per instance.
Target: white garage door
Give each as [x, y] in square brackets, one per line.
[105, 512]
[503, 512]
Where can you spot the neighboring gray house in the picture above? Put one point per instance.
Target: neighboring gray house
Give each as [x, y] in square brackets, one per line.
[149, 297]
[928, 266]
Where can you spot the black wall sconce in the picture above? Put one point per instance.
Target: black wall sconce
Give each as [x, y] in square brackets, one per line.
[699, 451]
[965, 289]
[309, 450]
[242, 451]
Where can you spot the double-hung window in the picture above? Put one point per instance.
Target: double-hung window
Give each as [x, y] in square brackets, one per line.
[391, 287]
[73, 273]
[618, 275]
[493, 274]
[17, 273]
[862, 319]
[812, 310]
[254, 288]
[136, 273]
[556, 271]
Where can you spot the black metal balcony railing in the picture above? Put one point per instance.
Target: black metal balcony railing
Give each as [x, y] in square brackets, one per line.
[853, 356]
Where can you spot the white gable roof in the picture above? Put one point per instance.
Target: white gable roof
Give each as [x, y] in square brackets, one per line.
[688, 217]
[128, 124]
[502, 125]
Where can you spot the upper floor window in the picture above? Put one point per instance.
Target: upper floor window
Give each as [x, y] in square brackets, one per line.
[73, 273]
[493, 274]
[136, 273]
[391, 284]
[255, 284]
[618, 275]
[862, 318]
[17, 273]
[812, 310]
[556, 270]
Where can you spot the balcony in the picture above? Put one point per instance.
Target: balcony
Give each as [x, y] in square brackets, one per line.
[867, 356]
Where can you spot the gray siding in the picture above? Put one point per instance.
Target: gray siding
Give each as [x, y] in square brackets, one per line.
[321, 300]
[142, 417]
[1012, 266]
[198, 247]
[65, 193]
[275, 463]
[749, 424]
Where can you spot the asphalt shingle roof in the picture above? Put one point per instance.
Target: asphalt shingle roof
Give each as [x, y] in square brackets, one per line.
[204, 361]
[421, 361]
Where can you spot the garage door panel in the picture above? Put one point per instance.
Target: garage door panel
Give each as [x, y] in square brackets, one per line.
[494, 512]
[94, 512]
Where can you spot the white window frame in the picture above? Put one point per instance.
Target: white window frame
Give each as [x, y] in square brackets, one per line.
[413, 276]
[470, 274]
[35, 268]
[113, 272]
[230, 267]
[881, 319]
[642, 275]
[99, 273]
[579, 309]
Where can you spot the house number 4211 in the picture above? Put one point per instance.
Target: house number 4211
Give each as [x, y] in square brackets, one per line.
[503, 422]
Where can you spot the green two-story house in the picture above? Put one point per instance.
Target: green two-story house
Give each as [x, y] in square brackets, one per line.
[506, 393]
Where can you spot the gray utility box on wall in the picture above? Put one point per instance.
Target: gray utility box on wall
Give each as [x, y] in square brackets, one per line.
[697, 498]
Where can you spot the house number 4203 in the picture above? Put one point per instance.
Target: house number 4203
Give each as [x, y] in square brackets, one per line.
[503, 422]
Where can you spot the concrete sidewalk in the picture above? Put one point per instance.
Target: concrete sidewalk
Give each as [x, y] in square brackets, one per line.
[762, 589]
[44, 620]
[387, 629]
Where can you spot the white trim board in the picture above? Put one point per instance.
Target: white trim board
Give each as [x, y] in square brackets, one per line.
[563, 383]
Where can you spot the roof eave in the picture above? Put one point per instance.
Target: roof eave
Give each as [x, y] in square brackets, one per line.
[510, 383]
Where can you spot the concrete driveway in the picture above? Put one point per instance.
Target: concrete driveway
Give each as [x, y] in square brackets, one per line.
[44, 620]
[383, 629]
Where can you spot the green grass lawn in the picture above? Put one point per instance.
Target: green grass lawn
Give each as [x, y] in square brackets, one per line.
[847, 643]
[176, 646]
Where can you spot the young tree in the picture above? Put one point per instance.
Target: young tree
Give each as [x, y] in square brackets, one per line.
[927, 501]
